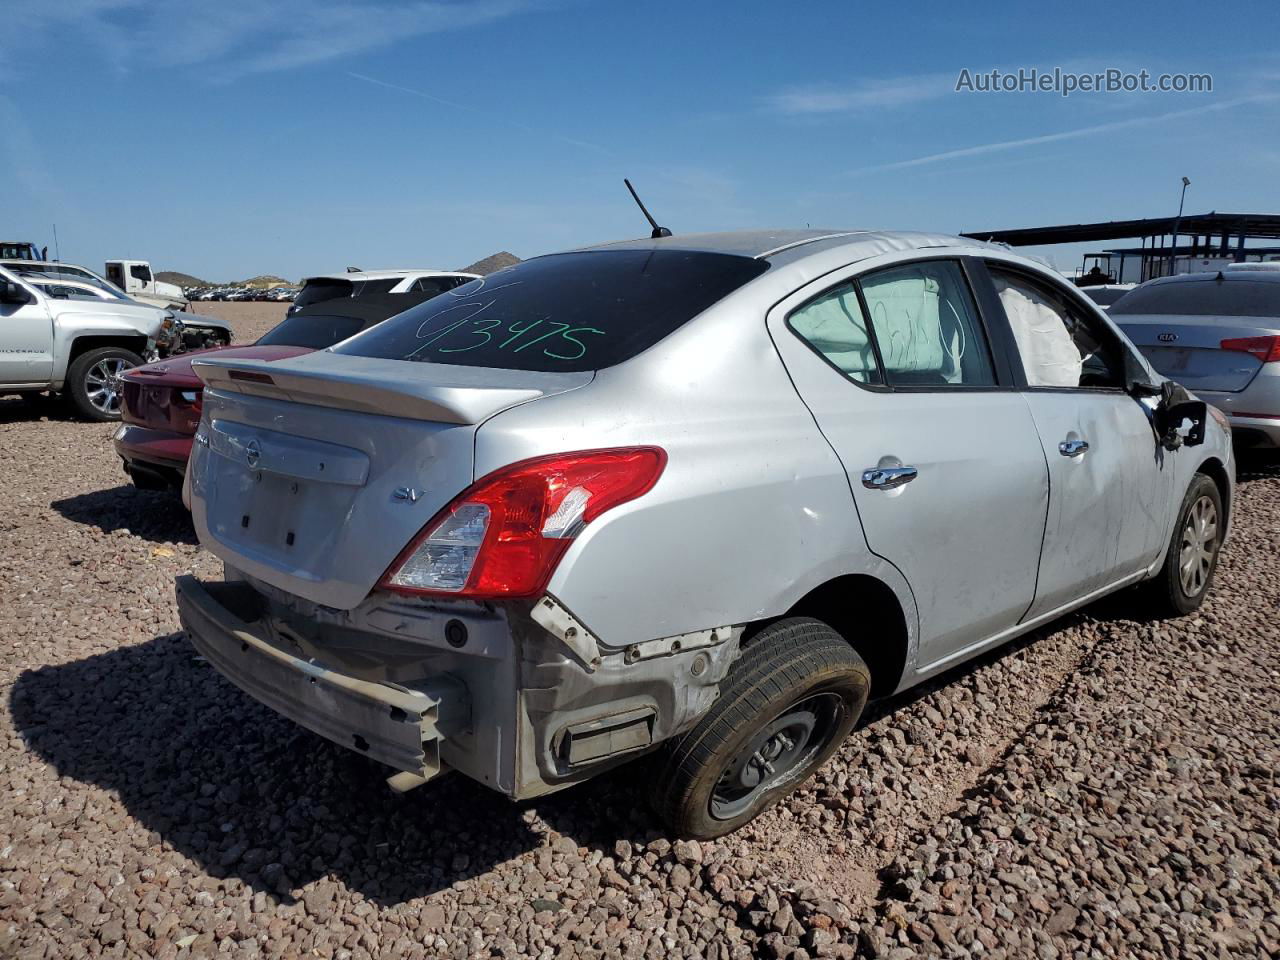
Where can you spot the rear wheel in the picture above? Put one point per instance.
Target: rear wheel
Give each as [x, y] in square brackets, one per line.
[788, 702]
[93, 381]
[145, 479]
[1192, 558]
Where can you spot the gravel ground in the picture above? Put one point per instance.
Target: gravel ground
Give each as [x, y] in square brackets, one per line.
[1104, 788]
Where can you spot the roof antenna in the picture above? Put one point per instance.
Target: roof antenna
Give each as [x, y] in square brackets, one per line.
[657, 230]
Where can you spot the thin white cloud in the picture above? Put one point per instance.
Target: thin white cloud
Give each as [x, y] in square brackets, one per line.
[515, 125]
[1078, 133]
[865, 95]
[870, 94]
[236, 38]
[416, 93]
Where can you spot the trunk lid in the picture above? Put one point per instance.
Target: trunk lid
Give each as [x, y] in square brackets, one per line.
[312, 474]
[154, 392]
[1187, 348]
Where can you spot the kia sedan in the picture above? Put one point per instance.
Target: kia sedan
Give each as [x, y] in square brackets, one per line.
[1219, 334]
[694, 498]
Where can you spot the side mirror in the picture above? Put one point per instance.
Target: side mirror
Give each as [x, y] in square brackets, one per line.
[1141, 388]
[1180, 419]
[13, 293]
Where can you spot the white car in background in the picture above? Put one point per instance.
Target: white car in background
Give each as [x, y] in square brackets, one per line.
[1105, 294]
[77, 345]
[356, 283]
[190, 331]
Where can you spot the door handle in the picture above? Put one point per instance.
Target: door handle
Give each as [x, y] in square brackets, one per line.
[1072, 448]
[886, 478]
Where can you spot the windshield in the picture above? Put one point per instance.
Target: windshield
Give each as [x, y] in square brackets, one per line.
[74, 291]
[63, 271]
[566, 312]
[1237, 297]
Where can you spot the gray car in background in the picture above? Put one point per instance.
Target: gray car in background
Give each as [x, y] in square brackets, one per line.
[1219, 335]
[697, 497]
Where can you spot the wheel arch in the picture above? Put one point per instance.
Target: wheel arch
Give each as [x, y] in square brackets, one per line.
[135, 343]
[867, 613]
[1216, 470]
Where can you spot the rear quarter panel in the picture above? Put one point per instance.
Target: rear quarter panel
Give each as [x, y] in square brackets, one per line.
[752, 511]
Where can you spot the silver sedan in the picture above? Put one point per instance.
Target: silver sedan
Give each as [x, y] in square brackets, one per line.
[1219, 334]
[692, 497]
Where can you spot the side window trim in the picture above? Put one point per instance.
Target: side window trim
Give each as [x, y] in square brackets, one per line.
[1004, 348]
[1069, 299]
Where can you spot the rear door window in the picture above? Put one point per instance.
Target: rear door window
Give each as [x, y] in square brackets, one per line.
[913, 326]
[926, 326]
[565, 312]
[836, 328]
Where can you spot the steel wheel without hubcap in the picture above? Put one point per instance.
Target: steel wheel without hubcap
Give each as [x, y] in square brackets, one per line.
[102, 384]
[1199, 543]
[781, 750]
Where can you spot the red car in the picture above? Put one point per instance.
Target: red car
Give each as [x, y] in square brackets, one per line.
[162, 401]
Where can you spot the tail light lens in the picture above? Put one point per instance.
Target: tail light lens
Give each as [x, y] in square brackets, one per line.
[1266, 349]
[189, 403]
[504, 535]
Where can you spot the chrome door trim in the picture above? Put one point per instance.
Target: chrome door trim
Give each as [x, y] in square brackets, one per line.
[887, 478]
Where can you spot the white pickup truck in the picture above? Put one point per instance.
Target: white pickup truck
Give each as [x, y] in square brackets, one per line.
[76, 345]
[135, 278]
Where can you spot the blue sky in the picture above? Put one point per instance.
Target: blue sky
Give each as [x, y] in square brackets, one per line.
[232, 138]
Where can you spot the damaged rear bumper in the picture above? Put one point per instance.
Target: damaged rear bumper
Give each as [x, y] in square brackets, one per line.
[394, 726]
[490, 691]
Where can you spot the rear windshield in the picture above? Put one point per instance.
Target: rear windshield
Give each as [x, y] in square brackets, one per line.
[311, 330]
[568, 312]
[1102, 296]
[381, 285]
[321, 289]
[1204, 298]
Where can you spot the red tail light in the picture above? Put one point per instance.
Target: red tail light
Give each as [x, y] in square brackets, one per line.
[1266, 349]
[187, 405]
[190, 398]
[504, 535]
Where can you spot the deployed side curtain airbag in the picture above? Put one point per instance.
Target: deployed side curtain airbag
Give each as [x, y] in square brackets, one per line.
[906, 319]
[1049, 355]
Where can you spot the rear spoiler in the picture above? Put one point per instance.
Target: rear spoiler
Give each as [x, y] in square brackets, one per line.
[440, 393]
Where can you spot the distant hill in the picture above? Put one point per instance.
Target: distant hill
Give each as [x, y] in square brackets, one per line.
[492, 263]
[266, 280]
[181, 279]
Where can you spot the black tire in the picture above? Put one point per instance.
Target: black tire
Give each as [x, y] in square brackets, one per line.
[90, 390]
[790, 668]
[1172, 594]
[146, 480]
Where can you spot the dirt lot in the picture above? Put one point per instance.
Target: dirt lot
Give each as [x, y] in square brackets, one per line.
[1106, 787]
[248, 320]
